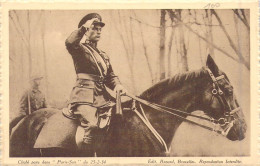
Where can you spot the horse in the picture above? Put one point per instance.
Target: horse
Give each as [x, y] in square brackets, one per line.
[207, 89]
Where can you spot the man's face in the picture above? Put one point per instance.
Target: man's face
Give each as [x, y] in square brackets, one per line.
[36, 82]
[94, 34]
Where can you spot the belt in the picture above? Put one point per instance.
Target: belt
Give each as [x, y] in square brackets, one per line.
[91, 77]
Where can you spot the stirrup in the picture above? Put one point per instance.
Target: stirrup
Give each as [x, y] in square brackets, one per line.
[104, 119]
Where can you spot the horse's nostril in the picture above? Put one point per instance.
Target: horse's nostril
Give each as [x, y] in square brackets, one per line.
[238, 131]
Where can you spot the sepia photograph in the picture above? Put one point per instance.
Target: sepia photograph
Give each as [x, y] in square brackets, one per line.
[183, 76]
[174, 83]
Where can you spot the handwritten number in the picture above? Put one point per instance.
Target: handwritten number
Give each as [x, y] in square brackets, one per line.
[212, 5]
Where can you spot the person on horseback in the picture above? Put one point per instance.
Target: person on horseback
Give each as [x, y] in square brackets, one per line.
[32, 100]
[94, 72]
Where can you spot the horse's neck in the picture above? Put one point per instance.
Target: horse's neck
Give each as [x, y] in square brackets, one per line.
[183, 99]
[136, 133]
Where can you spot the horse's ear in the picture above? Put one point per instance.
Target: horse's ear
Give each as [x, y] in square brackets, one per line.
[212, 65]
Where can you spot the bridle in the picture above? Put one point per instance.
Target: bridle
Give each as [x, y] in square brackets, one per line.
[226, 122]
[218, 93]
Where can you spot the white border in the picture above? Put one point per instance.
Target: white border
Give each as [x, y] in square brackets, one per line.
[80, 5]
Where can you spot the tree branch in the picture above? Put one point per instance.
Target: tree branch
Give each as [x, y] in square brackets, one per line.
[197, 23]
[129, 62]
[242, 19]
[139, 21]
[135, 19]
[145, 51]
[212, 44]
[230, 40]
[243, 13]
[19, 23]
[20, 33]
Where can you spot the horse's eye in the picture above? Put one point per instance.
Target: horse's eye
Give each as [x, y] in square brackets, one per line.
[229, 90]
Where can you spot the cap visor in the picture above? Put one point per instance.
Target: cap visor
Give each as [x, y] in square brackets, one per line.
[99, 23]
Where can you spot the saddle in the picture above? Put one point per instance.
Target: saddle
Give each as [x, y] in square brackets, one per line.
[67, 130]
[103, 113]
[66, 125]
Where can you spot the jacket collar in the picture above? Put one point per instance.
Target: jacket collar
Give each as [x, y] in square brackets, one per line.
[92, 44]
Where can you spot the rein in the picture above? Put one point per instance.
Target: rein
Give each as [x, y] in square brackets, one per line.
[215, 92]
[161, 109]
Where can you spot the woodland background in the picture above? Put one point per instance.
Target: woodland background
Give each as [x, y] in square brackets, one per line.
[145, 46]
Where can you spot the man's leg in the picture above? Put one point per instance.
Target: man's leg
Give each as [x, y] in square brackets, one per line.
[88, 121]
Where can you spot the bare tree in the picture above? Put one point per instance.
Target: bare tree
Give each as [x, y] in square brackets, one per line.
[170, 48]
[239, 54]
[242, 17]
[23, 46]
[199, 40]
[131, 34]
[183, 49]
[207, 41]
[29, 43]
[44, 53]
[209, 31]
[162, 45]
[145, 49]
[146, 55]
[130, 58]
[177, 54]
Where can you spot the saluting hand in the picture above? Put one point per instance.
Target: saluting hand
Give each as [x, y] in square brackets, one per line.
[89, 23]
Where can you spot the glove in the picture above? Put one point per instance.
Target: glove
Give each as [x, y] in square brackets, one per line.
[121, 89]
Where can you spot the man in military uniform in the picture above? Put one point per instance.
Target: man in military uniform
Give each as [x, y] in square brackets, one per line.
[94, 72]
[32, 100]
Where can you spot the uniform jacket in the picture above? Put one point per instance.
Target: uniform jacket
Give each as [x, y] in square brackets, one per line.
[35, 98]
[88, 91]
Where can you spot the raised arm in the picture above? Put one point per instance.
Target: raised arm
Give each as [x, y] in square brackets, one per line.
[73, 41]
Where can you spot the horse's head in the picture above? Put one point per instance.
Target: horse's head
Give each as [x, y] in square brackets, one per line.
[207, 89]
[221, 102]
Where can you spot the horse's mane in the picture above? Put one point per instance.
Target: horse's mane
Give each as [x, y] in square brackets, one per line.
[172, 83]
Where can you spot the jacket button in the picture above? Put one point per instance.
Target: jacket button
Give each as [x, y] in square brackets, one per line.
[81, 85]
